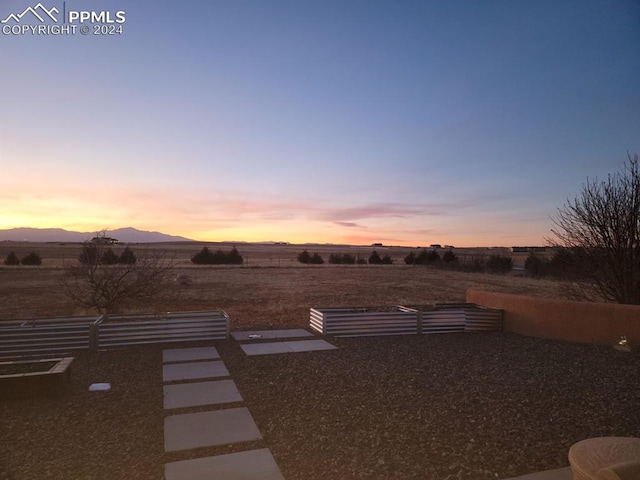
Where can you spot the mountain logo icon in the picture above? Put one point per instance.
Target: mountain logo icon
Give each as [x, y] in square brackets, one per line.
[39, 11]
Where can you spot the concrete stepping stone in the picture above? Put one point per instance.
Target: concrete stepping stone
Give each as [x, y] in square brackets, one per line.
[309, 345]
[250, 465]
[271, 334]
[265, 348]
[200, 393]
[286, 347]
[557, 474]
[189, 354]
[191, 371]
[205, 429]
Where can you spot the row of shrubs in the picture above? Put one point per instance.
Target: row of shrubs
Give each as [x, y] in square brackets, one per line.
[479, 263]
[344, 259]
[561, 264]
[207, 257]
[564, 263]
[30, 259]
[92, 255]
[475, 263]
[429, 257]
[314, 259]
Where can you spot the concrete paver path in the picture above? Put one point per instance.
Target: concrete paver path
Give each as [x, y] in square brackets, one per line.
[192, 371]
[251, 465]
[286, 347]
[189, 354]
[195, 367]
[204, 429]
[184, 395]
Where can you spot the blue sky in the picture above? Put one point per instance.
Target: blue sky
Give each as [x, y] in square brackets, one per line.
[454, 122]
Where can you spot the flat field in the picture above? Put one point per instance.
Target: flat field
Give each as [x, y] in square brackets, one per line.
[270, 289]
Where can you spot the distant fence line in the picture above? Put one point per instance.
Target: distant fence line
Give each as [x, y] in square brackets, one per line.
[60, 335]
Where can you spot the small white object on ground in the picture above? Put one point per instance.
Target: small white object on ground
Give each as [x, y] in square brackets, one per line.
[99, 387]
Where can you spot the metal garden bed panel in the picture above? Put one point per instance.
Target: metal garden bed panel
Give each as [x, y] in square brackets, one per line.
[362, 321]
[171, 329]
[457, 317]
[437, 320]
[117, 331]
[482, 319]
[404, 320]
[41, 337]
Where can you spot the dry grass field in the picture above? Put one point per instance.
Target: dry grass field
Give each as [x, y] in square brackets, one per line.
[270, 289]
[479, 406]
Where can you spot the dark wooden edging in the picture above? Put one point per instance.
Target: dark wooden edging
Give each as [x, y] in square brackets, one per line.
[50, 382]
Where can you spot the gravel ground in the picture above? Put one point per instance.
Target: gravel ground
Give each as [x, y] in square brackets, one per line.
[450, 406]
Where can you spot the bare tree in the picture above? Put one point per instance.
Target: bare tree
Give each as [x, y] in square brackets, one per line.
[107, 287]
[601, 229]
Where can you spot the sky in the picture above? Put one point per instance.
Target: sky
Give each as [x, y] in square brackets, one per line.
[466, 123]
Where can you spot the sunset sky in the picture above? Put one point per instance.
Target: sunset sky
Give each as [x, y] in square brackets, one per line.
[404, 122]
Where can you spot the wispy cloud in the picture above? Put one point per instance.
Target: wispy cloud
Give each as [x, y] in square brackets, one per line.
[379, 210]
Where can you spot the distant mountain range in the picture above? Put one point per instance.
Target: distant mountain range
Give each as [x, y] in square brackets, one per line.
[124, 235]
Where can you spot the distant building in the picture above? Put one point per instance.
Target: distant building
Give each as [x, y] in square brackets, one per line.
[376, 245]
[435, 245]
[104, 241]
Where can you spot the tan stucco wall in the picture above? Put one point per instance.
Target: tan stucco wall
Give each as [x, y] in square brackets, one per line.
[582, 322]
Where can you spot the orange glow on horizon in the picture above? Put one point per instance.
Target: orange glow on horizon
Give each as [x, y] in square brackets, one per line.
[88, 212]
[291, 232]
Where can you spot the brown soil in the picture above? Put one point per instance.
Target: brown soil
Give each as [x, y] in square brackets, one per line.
[28, 367]
[449, 406]
[282, 295]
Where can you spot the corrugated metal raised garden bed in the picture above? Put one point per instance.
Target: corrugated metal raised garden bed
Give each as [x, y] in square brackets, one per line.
[456, 317]
[404, 320]
[363, 321]
[58, 336]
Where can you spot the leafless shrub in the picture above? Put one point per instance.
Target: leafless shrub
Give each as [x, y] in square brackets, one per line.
[601, 230]
[106, 288]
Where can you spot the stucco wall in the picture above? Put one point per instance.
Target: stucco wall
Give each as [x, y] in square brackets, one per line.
[582, 322]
